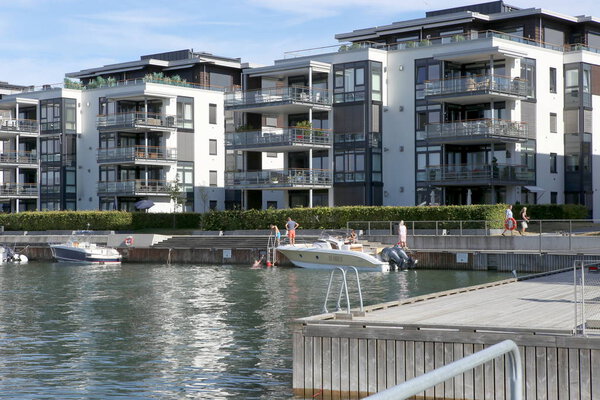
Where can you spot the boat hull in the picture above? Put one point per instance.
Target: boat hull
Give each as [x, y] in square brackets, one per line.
[83, 256]
[318, 258]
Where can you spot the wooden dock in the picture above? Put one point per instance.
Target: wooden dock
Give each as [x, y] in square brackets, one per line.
[393, 342]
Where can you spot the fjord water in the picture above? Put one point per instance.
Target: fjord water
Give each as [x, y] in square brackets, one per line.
[178, 331]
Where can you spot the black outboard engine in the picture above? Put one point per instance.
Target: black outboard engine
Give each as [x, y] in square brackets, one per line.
[397, 258]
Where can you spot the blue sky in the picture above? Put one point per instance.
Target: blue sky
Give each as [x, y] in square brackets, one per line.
[41, 40]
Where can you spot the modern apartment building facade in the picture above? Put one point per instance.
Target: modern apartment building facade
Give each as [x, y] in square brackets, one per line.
[479, 104]
[124, 133]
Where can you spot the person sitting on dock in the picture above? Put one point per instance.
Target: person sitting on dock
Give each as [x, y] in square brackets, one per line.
[277, 234]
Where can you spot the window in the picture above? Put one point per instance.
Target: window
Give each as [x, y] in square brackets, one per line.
[185, 112]
[349, 82]
[212, 178]
[553, 163]
[553, 197]
[376, 81]
[212, 147]
[553, 124]
[212, 204]
[212, 114]
[271, 155]
[552, 80]
[272, 204]
[528, 73]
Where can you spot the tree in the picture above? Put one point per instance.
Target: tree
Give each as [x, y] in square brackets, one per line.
[176, 195]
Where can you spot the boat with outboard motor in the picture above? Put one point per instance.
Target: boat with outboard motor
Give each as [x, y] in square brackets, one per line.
[332, 251]
[79, 249]
[8, 255]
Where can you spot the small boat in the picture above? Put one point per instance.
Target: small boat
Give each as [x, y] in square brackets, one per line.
[79, 249]
[8, 255]
[332, 251]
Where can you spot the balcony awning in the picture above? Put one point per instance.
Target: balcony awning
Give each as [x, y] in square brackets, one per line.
[535, 189]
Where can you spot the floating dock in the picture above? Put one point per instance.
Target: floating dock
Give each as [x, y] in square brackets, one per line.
[336, 357]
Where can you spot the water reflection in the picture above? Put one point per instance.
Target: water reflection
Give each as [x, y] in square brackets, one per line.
[141, 331]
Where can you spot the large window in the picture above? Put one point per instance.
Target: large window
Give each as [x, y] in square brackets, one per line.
[185, 113]
[376, 81]
[528, 73]
[70, 115]
[553, 163]
[50, 119]
[349, 165]
[349, 82]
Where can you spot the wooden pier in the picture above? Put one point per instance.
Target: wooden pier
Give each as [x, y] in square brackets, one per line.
[393, 342]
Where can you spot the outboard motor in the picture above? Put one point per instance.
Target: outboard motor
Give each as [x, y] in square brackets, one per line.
[397, 258]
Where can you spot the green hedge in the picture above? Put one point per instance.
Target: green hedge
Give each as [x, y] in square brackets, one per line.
[552, 211]
[308, 218]
[66, 220]
[337, 217]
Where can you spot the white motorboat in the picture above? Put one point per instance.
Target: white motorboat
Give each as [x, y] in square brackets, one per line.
[79, 249]
[331, 251]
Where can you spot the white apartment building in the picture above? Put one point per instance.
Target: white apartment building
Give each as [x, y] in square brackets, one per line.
[472, 105]
[124, 133]
[480, 104]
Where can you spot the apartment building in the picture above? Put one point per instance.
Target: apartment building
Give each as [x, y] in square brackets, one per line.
[150, 129]
[479, 104]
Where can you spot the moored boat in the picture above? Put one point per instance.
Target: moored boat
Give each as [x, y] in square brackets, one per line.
[79, 249]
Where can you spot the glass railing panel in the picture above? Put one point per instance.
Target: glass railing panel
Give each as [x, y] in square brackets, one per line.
[289, 177]
[298, 94]
[133, 119]
[471, 172]
[279, 136]
[477, 83]
[19, 125]
[475, 128]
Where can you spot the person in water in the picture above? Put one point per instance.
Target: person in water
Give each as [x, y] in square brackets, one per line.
[258, 263]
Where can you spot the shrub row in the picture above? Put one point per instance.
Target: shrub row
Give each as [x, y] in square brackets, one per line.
[308, 218]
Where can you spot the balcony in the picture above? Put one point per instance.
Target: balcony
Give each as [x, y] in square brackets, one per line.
[279, 139]
[139, 155]
[137, 187]
[282, 99]
[136, 121]
[484, 130]
[23, 127]
[476, 89]
[295, 178]
[19, 158]
[476, 174]
[19, 190]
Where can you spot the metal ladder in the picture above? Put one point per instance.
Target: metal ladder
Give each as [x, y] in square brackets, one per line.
[271, 249]
[344, 290]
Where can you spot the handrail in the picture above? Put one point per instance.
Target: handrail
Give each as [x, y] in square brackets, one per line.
[421, 383]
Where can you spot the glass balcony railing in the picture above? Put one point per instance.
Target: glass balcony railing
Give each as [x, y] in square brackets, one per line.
[279, 137]
[19, 157]
[136, 120]
[280, 178]
[470, 85]
[18, 189]
[133, 187]
[485, 128]
[477, 173]
[19, 126]
[292, 94]
[133, 153]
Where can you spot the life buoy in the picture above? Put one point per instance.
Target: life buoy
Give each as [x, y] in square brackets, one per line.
[129, 241]
[510, 224]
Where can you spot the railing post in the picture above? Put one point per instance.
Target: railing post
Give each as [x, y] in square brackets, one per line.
[461, 228]
[540, 235]
[570, 234]
[391, 230]
[369, 227]
[436, 227]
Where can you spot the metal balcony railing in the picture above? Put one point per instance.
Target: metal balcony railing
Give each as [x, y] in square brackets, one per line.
[136, 120]
[133, 153]
[279, 137]
[469, 85]
[19, 125]
[280, 178]
[468, 173]
[19, 157]
[292, 94]
[133, 187]
[475, 129]
[18, 189]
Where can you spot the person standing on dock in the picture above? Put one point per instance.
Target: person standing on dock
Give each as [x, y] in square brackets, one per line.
[402, 234]
[508, 219]
[524, 220]
[291, 226]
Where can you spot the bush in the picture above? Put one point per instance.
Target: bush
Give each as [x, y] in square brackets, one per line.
[66, 220]
[552, 211]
